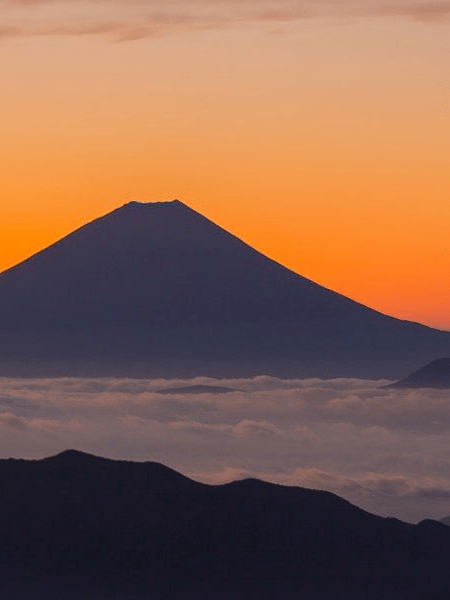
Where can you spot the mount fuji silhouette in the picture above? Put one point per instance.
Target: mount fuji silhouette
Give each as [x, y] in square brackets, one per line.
[159, 290]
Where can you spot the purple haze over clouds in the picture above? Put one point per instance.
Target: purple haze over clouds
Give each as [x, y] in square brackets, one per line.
[385, 450]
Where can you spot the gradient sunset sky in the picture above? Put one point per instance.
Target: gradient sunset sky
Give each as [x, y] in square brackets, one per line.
[318, 132]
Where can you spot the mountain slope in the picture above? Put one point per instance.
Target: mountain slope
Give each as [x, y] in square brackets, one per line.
[78, 526]
[160, 264]
[157, 289]
[434, 375]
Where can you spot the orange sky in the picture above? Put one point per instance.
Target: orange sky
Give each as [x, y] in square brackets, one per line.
[324, 142]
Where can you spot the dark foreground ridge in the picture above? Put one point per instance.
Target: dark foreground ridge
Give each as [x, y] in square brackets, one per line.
[434, 375]
[77, 526]
[157, 290]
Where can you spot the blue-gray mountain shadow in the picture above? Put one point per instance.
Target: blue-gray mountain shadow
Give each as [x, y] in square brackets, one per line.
[154, 290]
[198, 389]
[436, 374]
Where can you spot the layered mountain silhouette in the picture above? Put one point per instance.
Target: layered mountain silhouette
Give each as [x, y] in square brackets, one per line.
[198, 389]
[434, 375]
[159, 290]
[77, 526]
[446, 520]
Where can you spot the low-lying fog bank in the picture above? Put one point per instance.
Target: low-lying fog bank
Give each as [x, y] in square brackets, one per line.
[385, 450]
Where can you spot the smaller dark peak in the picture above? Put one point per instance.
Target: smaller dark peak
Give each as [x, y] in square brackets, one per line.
[198, 389]
[440, 364]
[435, 374]
[432, 526]
[153, 472]
[73, 456]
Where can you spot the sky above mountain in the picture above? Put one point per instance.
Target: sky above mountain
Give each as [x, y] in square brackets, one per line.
[316, 131]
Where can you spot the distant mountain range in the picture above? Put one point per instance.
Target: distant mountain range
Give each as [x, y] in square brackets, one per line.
[198, 389]
[159, 290]
[76, 526]
[433, 375]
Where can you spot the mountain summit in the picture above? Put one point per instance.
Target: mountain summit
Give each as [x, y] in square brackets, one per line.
[158, 289]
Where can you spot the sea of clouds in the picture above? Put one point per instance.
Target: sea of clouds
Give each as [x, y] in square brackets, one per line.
[385, 450]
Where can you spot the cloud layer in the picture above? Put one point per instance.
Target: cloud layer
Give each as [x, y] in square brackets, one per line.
[385, 450]
[121, 20]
